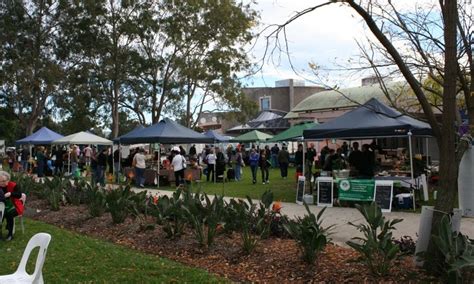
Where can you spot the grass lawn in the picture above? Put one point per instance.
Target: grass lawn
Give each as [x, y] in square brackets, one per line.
[283, 189]
[75, 258]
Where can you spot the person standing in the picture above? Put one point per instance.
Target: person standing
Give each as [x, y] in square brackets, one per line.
[238, 164]
[178, 164]
[310, 157]
[275, 150]
[87, 154]
[10, 194]
[211, 163]
[25, 156]
[264, 164]
[74, 160]
[299, 159]
[117, 164]
[58, 162]
[101, 166]
[283, 161]
[40, 161]
[355, 160]
[254, 158]
[192, 151]
[220, 163]
[139, 165]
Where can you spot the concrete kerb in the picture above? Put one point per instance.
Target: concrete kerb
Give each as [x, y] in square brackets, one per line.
[341, 216]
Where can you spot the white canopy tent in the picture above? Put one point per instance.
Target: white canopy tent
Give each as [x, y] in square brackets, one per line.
[81, 138]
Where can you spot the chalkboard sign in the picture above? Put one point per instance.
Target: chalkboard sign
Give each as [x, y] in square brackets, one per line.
[325, 191]
[383, 194]
[300, 189]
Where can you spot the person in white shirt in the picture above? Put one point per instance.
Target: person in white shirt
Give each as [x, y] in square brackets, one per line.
[179, 165]
[88, 153]
[139, 164]
[211, 163]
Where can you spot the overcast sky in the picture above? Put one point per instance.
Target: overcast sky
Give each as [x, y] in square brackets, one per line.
[326, 37]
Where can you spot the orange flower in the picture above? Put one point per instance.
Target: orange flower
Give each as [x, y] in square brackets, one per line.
[155, 199]
[189, 176]
[277, 207]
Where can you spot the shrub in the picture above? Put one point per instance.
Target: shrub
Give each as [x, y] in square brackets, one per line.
[310, 235]
[54, 191]
[27, 184]
[204, 215]
[96, 202]
[169, 213]
[406, 245]
[119, 203]
[377, 248]
[75, 193]
[458, 254]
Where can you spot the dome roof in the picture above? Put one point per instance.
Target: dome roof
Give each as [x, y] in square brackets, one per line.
[345, 98]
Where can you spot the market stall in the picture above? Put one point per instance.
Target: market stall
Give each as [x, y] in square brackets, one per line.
[166, 131]
[373, 120]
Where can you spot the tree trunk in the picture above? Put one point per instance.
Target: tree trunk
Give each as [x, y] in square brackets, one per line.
[115, 111]
[449, 165]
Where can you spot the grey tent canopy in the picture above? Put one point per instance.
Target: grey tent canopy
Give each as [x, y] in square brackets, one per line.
[373, 119]
[166, 131]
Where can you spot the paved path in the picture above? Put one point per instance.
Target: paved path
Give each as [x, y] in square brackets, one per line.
[340, 216]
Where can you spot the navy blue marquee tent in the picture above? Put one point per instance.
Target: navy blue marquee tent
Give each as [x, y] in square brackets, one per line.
[137, 128]
[216, 136]
[373, 119]
[43, 136]
[166, 131]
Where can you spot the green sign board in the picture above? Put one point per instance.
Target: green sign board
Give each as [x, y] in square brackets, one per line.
[356, 189]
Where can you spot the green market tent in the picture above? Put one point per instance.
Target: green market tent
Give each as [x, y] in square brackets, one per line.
[252, 136]
[294, 133]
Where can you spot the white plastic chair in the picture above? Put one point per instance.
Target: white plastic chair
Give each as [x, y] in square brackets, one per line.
[40, 240]
[23, 200]
[2, 211]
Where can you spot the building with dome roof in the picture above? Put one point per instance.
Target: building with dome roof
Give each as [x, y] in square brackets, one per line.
[326, 105]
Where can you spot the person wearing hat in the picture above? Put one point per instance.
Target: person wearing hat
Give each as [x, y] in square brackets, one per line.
[179, 165]
[10, 194]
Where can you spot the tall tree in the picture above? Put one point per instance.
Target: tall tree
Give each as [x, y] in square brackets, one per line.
[452, 63]
[192, 52]
[30, 71]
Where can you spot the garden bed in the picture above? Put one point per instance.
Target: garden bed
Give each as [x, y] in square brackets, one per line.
[274, 260]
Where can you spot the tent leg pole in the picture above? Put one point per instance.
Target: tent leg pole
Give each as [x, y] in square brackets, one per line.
[158, 162]
[411, 166]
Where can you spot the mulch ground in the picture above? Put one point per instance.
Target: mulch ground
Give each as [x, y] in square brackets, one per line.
[274, 260]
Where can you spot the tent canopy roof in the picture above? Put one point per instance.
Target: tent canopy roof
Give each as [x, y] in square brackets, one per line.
[373, 119]
[252, 136]
[293, 133]
[166, 131]
[216, 136]
[137, 128]
[41, 137]
[83, 138]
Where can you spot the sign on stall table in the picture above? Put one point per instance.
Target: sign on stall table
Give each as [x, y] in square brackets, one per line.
[384, 194]
[300, 190]
[325, 191]
[356, 189]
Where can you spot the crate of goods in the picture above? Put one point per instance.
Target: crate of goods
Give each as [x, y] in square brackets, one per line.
[404, 200]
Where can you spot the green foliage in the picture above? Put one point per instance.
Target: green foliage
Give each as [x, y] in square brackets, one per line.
[96, 202]
[75, 193]
[458, 254]
[377, 247]
[310, 235]
[170, 215]
[54, 191]
[204, 215]
[120, 203]
[27, 183]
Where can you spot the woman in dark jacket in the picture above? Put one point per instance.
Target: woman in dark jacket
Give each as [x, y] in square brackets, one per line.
[10, 194]
[264, 164]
